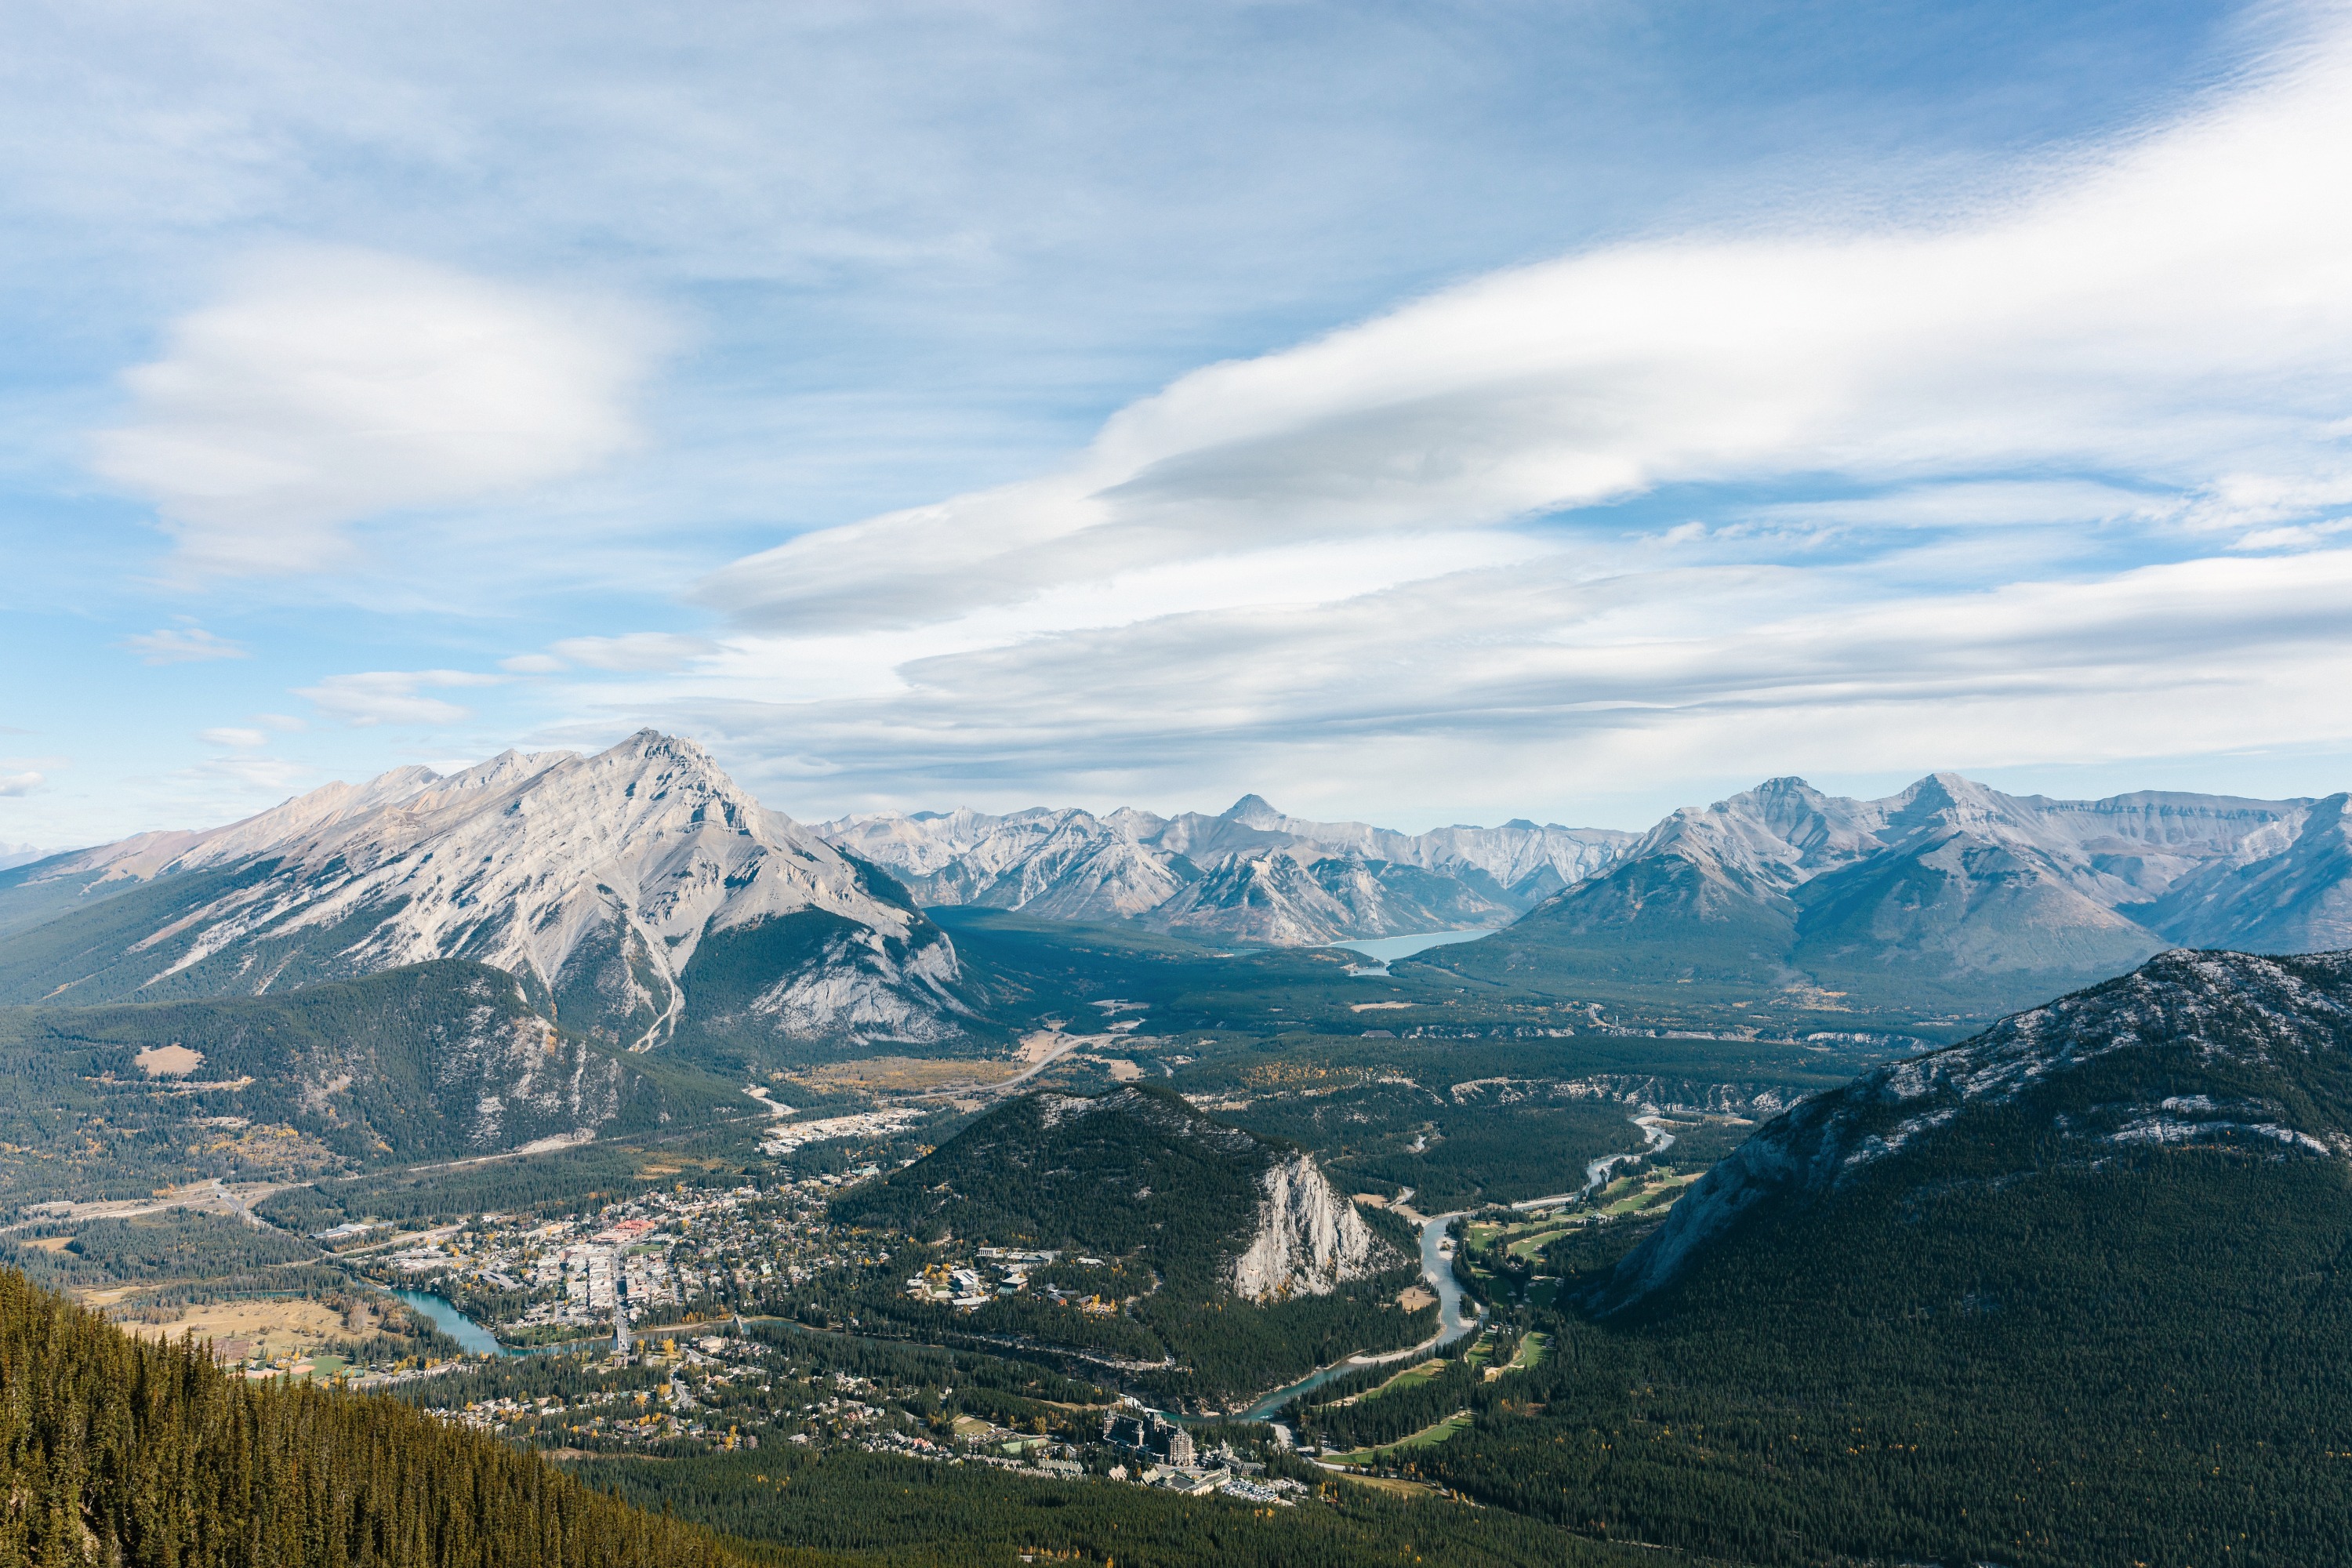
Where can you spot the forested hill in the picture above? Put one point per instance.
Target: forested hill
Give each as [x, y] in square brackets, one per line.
[431, 1061]
[115, 1450]
[2229, 1053]
[1135, 1168]
[1216, 1262]
[2072, 1293]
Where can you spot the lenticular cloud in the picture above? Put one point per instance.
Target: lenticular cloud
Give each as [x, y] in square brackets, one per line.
[2173, 309]
[332, 385]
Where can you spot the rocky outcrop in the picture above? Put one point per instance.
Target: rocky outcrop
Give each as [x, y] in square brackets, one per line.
[1309, 1240]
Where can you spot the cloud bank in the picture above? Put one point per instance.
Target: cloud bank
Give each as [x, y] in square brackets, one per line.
[2175, 309]
[2051, 477]
[331, 386]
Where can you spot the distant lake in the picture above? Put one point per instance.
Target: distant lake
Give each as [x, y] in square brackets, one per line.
[1383, 949]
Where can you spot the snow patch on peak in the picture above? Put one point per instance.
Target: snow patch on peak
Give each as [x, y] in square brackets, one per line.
[604, 872]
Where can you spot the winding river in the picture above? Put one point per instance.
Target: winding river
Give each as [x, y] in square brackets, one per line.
[1438, 1270]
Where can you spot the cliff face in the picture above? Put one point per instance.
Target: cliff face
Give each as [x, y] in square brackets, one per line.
[1308, 1239]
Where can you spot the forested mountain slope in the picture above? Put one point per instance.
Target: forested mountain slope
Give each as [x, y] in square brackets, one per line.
[432, 1062]
[118, 1450]
[2073, 1292]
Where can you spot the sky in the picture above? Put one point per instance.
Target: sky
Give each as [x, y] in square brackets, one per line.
[1412, 413]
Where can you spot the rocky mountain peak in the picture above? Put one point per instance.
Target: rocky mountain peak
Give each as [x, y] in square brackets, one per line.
[600, 876]
[1253, 811]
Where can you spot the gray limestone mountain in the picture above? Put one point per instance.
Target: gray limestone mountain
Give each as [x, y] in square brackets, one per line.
[2285, 888]
[1250, 873]
[1948, 895]
[2228, 1053]
[607, 884]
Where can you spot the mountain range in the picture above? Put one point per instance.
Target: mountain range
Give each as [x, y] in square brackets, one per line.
[1946, 895]
[642, 897]
[1249, 873]
[615, 887]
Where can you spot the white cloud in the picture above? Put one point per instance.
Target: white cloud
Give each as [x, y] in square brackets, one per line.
[634, 650]
[331, 386]
[1989, 489]
[2171, 310]
[248, 773]
[392, 695]
[1535, 689]
[531, 663]
[184, 645]
[231, 736]
[20, 783]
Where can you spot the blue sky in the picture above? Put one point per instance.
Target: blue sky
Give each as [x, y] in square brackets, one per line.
[1421, 414]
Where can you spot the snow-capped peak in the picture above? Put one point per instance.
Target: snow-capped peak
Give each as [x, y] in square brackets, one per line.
[550, 864]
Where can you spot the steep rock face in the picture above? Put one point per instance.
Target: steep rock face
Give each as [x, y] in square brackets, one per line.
[597, 878]
[2194, 1048]
[2287, 888]
[1309, 1240]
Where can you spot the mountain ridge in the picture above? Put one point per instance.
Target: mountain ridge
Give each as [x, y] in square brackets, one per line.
[598, 879]
[1943, 882]
[2266, 1039]
[1946, 896]
[1250, 872]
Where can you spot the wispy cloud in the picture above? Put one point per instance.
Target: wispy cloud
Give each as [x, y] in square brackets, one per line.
[249, 772]
[2168, 308]
[184, 645]
[20, 783]
[635, 650]
[392, 695]
[1987, 486]
[1495, 688]
[330, 386]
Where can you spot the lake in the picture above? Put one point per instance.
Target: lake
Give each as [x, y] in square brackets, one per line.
[1385, 948]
